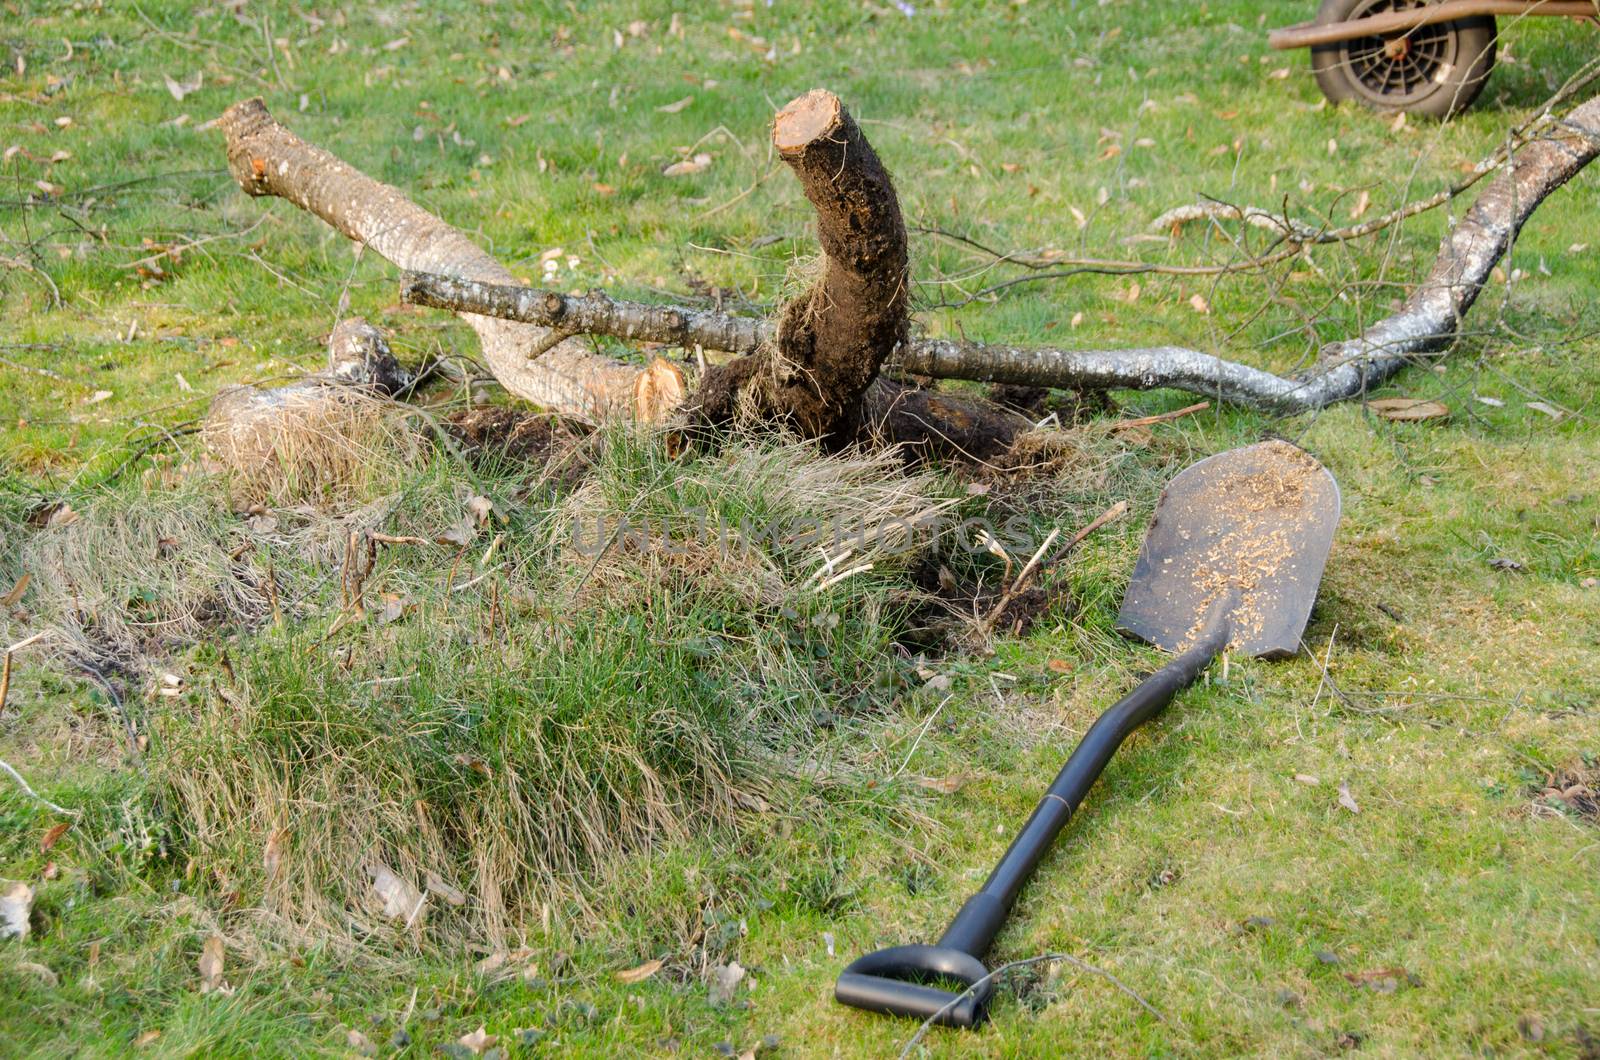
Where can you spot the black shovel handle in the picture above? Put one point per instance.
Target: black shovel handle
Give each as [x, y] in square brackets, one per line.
[895, 981]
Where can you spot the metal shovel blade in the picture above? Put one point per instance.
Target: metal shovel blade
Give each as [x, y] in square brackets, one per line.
[1241, 536]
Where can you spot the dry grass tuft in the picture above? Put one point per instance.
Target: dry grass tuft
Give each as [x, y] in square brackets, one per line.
[758, 524]
[132, 576]
[308, 443]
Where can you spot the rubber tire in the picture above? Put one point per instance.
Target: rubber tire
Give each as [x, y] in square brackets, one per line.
[1475, 38]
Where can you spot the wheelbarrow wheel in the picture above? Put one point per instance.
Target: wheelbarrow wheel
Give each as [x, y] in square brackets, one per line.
[1436, 70]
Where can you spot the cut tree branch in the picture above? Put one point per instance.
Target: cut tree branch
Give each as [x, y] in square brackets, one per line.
[1429, 320]
[267, 159]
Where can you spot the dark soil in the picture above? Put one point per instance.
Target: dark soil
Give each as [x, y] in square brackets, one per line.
[496, 433]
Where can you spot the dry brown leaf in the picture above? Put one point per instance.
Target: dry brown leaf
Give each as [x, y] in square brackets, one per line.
[401, 900]
[676, 105]
[360, 1043]
[477, 1041]
[1363, 203]
[1199, 304]
[1409, 410]
[725, 980]
[179, 89]
[16, 905]
[211, 964]
[1308, 779]
[272, 853]
[145, 1039]
[11, 598]
[639, 974]
[436, 885]
[943, 785]
[687, 166]
[53, 836]
[480, 508]
[1060, 666]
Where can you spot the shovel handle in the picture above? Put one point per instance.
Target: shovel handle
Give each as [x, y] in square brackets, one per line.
[896, 982]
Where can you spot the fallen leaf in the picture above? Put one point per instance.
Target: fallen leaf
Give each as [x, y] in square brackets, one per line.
[725, 980]
[1347, 800]
[1200, 305]
[698, 163]
[1307, 779]
[1363, 203]
[477, 1041]
[179, 89]
[401, 900]
[1060, 666]
[16, 904]
[211, 963]
[1507, 564]
[943, 785]
[394, 607]
[396, 44]
[360, 1042]
[480, 508]
[272, 853]
[1280, 74]
[1492, 402]
[752, 801]
[639, 974]
[461, 534]
[145, 1039]
[676, 105]
[10, 599]
[436, 885]
[53, 836]
[97, 397]
[1549, 410]
[1409, 410]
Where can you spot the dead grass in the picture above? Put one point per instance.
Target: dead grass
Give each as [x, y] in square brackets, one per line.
[138, 573]
[308, 443]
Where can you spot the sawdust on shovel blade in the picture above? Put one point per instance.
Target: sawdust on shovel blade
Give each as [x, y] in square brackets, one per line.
[1272, 505]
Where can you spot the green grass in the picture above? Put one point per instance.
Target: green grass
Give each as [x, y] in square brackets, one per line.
[1460, 686]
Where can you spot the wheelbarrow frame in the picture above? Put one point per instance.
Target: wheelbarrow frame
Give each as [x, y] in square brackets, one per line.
[1312, 35]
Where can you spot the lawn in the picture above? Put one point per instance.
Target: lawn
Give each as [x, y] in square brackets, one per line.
[701, 766]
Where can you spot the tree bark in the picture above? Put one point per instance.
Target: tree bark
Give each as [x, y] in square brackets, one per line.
[831, 341]
[532, 362]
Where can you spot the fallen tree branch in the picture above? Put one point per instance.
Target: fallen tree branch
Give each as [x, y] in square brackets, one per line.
[1429, 319]
[595, 313]
[267, 159]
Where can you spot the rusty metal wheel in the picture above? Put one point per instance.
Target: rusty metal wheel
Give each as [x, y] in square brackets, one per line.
[1433, 70]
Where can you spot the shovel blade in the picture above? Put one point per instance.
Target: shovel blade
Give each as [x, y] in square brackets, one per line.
[1240, 537]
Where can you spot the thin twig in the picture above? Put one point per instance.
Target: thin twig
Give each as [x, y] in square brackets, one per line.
[1042, 958]
[1164, 417]
[27, 790]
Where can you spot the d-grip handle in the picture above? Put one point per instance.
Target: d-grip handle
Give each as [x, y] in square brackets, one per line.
[894, 981]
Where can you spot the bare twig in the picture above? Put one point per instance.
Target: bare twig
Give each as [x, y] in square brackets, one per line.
[1041, 959]
[27, 790]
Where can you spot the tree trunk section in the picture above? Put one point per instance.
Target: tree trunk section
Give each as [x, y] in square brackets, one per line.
[832, 340]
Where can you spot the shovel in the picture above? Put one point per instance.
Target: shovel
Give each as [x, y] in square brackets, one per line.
[1232, 560]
